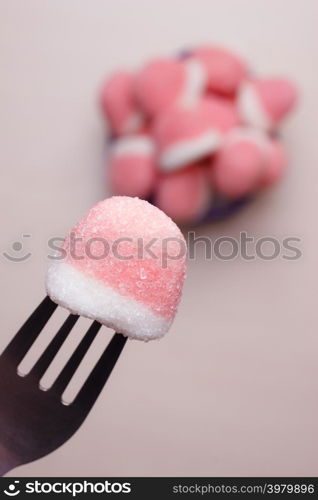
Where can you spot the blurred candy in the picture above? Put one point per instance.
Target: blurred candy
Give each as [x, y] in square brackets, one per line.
[237, 168]
[225, 70]
[119, 105]
[265, 102]
[276, 161]
[198, 118]
[184, 195]
[164, 82]
[132, 166]
[187, 134]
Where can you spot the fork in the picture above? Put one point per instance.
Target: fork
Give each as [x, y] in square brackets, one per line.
[34, 422]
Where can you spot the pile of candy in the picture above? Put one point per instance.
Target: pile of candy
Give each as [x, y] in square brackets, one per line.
[190, 131]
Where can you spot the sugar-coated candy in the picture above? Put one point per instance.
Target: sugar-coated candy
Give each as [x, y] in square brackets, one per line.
[187, 134]
[166, 82]
[184, 195]
[195, 131]
[237, 168]
[131, 166]
[124, 266]
[225, 70]
[265, 102]
[119, 105]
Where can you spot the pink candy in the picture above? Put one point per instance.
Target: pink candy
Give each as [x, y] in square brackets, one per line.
[184, 195]
[237, 168]
[184, 135]
[203, 108]
[119, 104]
[264, 102]
[225, 71]
[132, 166]
[165, 82]
[124, 267]
[249, 160]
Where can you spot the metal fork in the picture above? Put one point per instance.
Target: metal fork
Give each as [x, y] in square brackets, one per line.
[34, 422]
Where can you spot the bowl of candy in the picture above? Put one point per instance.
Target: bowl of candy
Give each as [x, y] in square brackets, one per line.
[196, 134]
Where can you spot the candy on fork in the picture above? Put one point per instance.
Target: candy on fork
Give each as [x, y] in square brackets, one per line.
[136, 296]
[124, 266]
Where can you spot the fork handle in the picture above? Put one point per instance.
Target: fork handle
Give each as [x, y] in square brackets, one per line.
[7, 461]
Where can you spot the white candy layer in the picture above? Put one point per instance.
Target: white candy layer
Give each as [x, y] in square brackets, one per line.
[141, 145]
[251, 109]
[194, 83]
[184, 152]
[87, 297]
[248, 133]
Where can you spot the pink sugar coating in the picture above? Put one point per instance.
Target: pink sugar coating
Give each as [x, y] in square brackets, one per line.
[159, 84]
[186, 123]
[225, 70]
[146, 279]
[236, 171]
[183, 195]
[278, 96]
[275, 163]
[132, 175]
[118, 101]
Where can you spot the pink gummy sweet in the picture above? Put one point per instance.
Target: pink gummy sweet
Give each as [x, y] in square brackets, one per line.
[265, 102]
[132, 168]
[225, 70]
[165, 82]
[125, 269]
[187, 134]
[237, 168]
[119, 105]
[184, 195]
[277, 96]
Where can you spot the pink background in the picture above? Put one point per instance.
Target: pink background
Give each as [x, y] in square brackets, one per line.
[232, 390]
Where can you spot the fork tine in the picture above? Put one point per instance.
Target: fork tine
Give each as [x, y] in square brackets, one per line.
[71, 366]
[23, 340]
[100, 373]
[50, 352]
